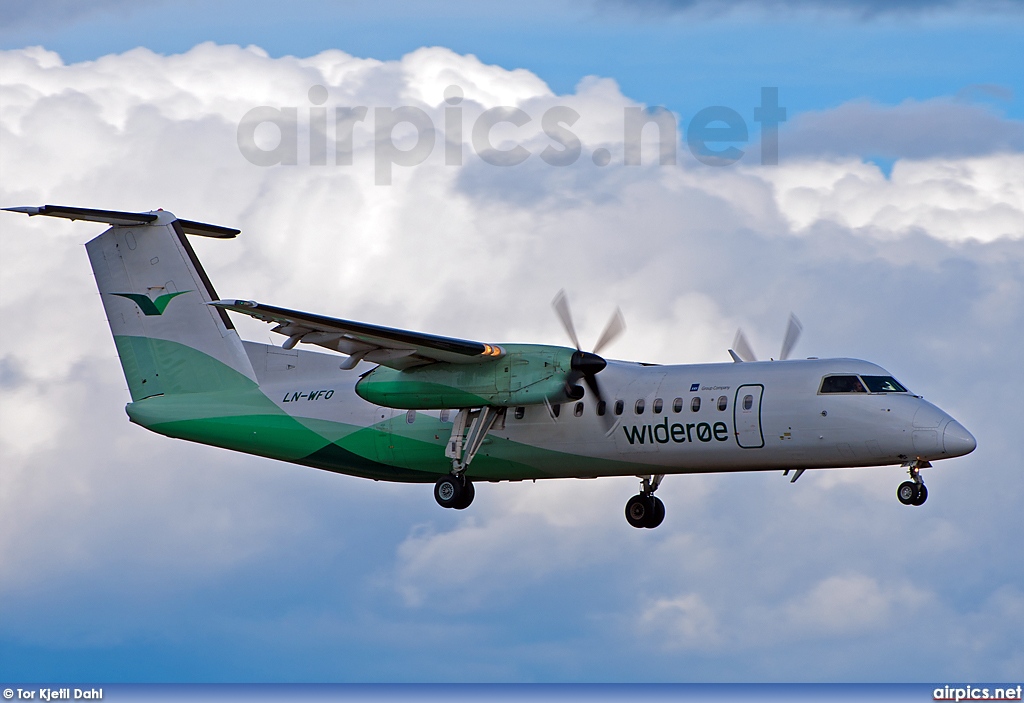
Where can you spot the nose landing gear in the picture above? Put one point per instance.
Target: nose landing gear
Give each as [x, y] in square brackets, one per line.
[913, 492]
[645, 509]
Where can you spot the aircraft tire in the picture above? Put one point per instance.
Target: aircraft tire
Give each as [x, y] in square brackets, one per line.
[907, 492]
[468, 493]
[448, 491]
[921, 495]
[657, 514]
[638, 510]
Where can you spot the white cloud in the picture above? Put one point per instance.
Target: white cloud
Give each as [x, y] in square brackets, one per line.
[921, 272]
[852, 604]
[952, 199]
[684, 622]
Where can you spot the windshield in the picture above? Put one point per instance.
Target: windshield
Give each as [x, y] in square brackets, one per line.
[883, 384]
[856, 384]
[841, 384]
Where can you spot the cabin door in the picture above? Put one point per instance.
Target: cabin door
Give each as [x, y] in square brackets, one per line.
[746, 413]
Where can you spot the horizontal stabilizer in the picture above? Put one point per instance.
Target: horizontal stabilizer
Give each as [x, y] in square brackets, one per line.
[112, 217]
[125, 219]
[204, 230]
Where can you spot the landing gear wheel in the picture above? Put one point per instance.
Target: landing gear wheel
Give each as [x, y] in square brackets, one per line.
[907, 492]
[645, 511]
[448, 491]
[657, 514]
[468, 493]
[638, 510]
[921, 496]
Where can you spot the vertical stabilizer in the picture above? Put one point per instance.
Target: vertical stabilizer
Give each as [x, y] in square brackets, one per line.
[155, 291]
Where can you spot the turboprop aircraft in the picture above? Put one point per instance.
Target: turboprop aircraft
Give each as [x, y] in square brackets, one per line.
[414, 407]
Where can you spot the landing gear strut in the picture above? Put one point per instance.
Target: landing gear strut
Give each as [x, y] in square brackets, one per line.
[469, 430]
[645, 509]
[913, 492]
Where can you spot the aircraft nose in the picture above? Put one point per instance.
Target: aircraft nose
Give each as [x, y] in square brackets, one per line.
[956, 440]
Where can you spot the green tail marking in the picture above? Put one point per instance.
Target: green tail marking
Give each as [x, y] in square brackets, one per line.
[151, 307]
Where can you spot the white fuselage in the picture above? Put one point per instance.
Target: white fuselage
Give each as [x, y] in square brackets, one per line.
[750, 416]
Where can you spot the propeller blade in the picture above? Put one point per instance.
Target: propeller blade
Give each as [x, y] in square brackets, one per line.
[551, 410]
[608, 420]
[793, 330]
[742, 347]
[586, 365]
[616, 326]
[591, 381]
[561, 306]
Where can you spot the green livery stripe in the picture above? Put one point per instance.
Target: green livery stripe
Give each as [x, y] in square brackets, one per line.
[237, 415]
[158, 366]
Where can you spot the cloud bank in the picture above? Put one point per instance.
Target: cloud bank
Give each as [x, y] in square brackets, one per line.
[286, 573]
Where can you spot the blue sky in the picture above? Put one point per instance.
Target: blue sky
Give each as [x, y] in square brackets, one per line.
[684, 59]
[132, 557]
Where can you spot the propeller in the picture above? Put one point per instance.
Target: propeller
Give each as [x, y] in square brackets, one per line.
[793, 330]
[588, 364]
[741, 350]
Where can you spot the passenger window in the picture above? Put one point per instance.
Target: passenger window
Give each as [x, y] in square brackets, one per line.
[723, 402]
[748, 402]
[556, 409]
[445, 415]
[677, 405]
[842, 384]
[410, 416]
[618, 407]
[601, 408]
[657, 407]
[520, 412]
[639, 407]
[695, 404]
[578, 410]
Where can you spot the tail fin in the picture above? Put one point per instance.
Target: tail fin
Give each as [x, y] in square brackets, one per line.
[155, 291]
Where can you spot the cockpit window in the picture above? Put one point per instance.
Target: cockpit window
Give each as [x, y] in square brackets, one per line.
[842, 384]
[883, 384]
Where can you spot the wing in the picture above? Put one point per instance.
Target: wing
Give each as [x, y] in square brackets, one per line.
[399, 349]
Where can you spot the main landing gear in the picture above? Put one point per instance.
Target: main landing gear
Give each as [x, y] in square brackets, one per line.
[913, 492]
[469, 430]
[645, 509]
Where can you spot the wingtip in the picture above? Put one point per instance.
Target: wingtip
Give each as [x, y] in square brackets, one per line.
[27, 209]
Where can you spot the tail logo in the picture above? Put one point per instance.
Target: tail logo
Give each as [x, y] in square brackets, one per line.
[151, 307]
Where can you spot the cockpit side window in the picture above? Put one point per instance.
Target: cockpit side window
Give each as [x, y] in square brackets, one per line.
[842, 384]
[883, 384]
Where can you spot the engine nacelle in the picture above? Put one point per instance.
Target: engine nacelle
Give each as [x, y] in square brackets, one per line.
[527, 374]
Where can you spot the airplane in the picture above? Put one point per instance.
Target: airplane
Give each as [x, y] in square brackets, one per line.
[397, 405]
